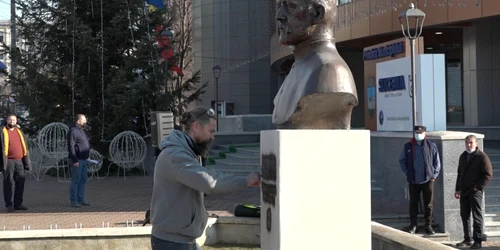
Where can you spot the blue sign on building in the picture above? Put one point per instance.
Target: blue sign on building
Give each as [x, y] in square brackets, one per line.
[384, 51]
[389, 84]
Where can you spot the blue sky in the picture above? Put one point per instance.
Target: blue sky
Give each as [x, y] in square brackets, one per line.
[4, 9]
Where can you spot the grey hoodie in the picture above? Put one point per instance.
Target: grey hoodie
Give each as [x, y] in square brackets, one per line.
[177, 210]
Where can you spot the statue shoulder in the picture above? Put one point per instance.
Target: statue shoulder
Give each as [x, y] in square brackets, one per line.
[334, 75]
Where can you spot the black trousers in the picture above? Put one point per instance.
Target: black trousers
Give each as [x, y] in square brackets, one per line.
[471, 203]
[427, 191]
[14, 173]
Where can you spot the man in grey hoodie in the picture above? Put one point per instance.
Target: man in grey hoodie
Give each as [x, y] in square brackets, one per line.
[178, 215]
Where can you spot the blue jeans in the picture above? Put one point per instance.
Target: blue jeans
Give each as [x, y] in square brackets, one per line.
[78, 180]
[159, 244]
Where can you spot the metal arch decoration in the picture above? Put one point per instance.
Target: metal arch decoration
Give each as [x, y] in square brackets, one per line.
[52, 141]
[127, 150]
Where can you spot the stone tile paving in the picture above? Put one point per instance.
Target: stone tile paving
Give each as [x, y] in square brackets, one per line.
[113, 200]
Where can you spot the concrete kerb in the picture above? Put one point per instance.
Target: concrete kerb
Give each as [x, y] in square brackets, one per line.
[388, 238]
[231, 230]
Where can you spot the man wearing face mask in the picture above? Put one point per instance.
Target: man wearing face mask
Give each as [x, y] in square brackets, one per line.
[421, 165]
[15, 162]
[474, 174]
[178, 214]
[79, 152]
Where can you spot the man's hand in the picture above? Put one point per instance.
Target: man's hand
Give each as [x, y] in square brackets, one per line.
[457, 195]
[76, 164]
[253, 180]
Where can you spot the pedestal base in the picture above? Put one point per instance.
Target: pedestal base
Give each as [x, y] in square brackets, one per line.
[315, 189]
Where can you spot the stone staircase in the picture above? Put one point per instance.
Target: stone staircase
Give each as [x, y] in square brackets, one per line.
[492, 202]
[240, 159]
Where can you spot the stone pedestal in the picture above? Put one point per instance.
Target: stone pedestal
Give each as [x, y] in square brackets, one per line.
[315, 189]
[386, 148]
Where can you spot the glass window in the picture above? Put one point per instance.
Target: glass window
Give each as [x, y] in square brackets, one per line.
[454, 105]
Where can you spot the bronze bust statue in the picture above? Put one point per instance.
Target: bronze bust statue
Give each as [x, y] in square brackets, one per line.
[319, 92]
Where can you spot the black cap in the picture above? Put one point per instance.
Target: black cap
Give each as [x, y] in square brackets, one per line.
[419, 128]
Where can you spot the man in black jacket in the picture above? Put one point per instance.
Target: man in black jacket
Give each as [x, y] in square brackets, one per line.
[15, 161]
[79, 152]
[474, 174]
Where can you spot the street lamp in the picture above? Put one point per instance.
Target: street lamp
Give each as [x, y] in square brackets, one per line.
[414, 17]
[169, 34]
[216, 69]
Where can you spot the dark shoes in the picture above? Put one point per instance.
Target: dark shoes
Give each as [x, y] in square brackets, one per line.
[465, 243]
[84, 203]
[429, 230]
[11, 209]
[476, 245]
[20, 207]
[80, 203]
[411, 229]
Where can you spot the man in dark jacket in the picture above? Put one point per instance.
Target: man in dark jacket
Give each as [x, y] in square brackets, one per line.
[421, 165]
[474, 174]
[79, 152]
[14, 163]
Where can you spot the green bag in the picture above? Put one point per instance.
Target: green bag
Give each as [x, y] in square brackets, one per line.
[247, 210]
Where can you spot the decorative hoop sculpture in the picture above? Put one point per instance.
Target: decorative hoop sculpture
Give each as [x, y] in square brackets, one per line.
[93, 168]
[127, 150]
[36, 157]
[52, 141]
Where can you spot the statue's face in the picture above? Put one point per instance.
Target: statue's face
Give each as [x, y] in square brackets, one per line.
[294, 18]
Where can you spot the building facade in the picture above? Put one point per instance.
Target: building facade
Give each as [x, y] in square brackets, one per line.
[7, 97]
[4, 59]
[235, 35]
[462, 30]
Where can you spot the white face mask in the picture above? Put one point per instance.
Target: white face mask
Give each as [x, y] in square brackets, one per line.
[419, 137]
[471, 151]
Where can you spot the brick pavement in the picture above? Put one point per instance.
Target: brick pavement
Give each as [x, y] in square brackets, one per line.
[112, 199]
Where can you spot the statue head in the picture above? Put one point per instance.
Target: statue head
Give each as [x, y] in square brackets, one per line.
[304, 20]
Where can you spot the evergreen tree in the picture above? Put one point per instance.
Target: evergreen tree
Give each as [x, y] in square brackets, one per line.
[107, 68]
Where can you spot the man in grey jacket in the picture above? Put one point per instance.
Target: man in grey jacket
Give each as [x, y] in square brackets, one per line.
[178, 215]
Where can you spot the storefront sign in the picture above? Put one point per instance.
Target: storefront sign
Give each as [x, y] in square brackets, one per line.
[384, 51]
[394, 102]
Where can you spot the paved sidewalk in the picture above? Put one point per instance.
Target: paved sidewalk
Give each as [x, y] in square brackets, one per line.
[112, 199]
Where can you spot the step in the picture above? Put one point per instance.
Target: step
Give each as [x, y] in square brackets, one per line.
[492, 198]
[239, 172]
[493, 235]
[236, 165]
[377, 192]
[397, 221]
[242, 158]
[237, 145]
[249, 151]
[491, 217]
[492, 208]
[492, 226]
[493, 189]
[495, 182]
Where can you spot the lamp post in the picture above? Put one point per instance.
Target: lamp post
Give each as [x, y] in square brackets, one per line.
[169, 34]
[216, 69]
[412, 17]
